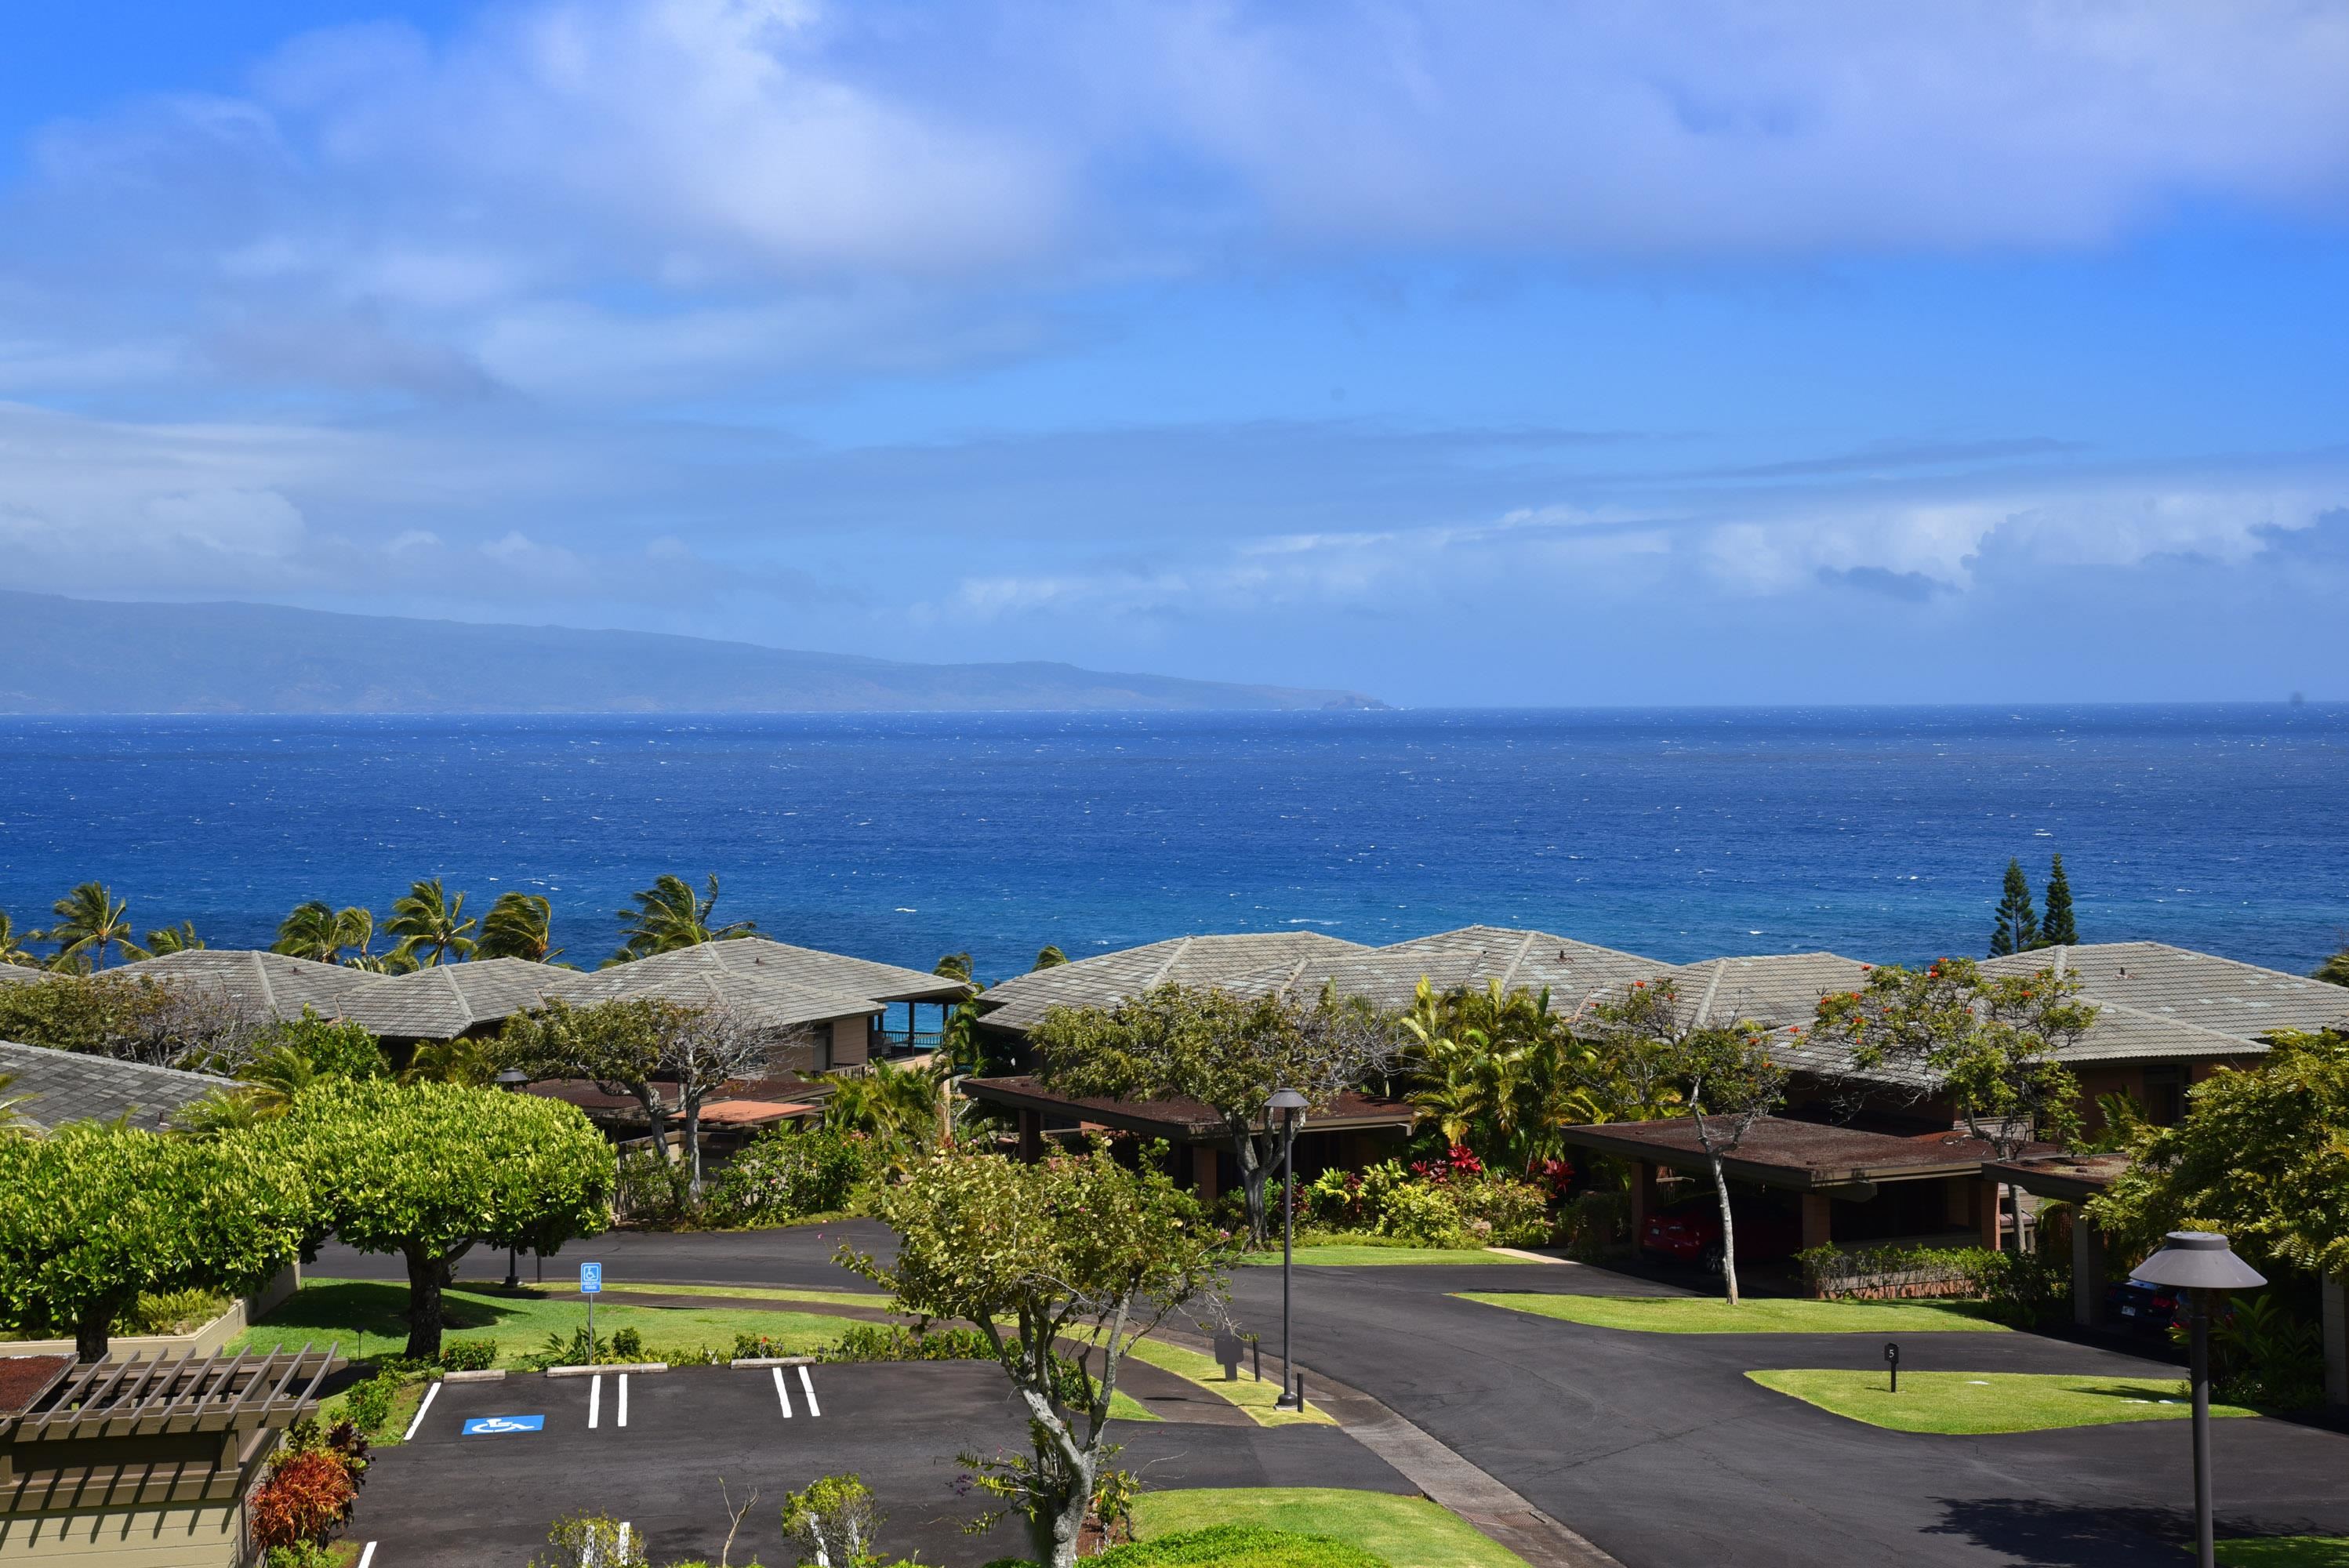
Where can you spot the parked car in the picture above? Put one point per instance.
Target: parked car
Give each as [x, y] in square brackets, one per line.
[2135, 1307]
[1689, 1232]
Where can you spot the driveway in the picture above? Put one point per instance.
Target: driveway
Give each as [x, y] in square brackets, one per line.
[799, 1256]
[1658, 1449]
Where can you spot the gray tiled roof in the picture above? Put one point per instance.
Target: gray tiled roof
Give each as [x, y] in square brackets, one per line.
[2198, 988]
[707, 974]
[268, 983]
[19, 975]
[1472, 956]
[443, 1001]
[1770, 989]
[1249, 963]
[67, 1086]
[834, 971]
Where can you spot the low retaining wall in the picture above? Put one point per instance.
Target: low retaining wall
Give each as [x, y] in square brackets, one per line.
[199, 1341]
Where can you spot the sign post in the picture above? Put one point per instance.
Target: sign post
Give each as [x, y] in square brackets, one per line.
[591, 1285]
[1892, 1360]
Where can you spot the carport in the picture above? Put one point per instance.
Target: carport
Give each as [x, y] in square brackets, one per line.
[1854, 1187]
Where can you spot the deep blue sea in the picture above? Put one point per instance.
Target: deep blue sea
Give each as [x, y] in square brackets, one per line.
[1679, 834]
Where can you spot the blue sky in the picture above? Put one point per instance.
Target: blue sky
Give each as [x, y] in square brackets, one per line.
[1504, 353]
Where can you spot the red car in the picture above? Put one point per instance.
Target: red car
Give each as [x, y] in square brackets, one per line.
[1689, 1232]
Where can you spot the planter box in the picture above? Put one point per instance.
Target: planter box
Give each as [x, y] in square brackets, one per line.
[199, 1341]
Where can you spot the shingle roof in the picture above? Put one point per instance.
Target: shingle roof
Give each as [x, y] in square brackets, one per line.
[1571, 972]
[836, 972]
[1251, 963]
[1771, 989]
[19, 975]
[707, 974]
[268, 983]
[443, 1001]
[67, 1086]
[2198, 988]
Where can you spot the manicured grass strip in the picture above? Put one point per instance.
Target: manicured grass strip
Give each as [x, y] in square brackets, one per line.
[368, 1317]
[1125, 1407]
[1408, 1531]
[1357, 1258]
[1249, 1395]
[735, 1292]
[1770, 1315]
[1973, 1403]
[2286, 1551]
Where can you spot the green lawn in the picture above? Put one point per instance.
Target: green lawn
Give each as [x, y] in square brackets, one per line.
[367, 1317]
[739, 1292]
[1355, 1256]
[1973, 1403]
[1408, 1531]
[1770, 1315]
[1249, 1395]
[2286, 1551]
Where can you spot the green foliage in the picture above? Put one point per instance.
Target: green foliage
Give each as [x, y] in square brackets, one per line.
[1076, 1249]
[1991, 1045]
[98, 1214]
[179, 938]
[831, 1522]
[468, 1356]
[367, 1405]
[2022, 1290]
[895, 1342]
[1229, 1546]
[586, 1540]
[303, 1554]
[172, 1311]
[2333, 971]
[91, 922]
[897, 1109]
[1048, 957]
[519, 926]
[627, 1345]
[1500, 1073]
[1387, 1200]
[430, 1170]
[2016, 928]
[327, 935]
[784, 1175]
[1596, 1225]
[2259, 1157]
[430, 924]
[2263, 1354]
[668, 916]
[120, 1016]
[2059, 929]
[335, 1047]
[1227, 1053]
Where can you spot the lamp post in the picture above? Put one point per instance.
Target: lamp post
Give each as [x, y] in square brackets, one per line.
[2200, 1264]
[511, 1080]
[1290, 1106]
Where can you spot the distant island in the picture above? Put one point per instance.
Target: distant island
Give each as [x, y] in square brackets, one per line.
[81, 655]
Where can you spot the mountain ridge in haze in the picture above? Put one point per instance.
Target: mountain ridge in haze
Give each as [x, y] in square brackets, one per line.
[85, 655]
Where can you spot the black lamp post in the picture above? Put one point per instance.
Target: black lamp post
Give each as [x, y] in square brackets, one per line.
[511, 1080]
[2200, 1264]
[1290, 1106]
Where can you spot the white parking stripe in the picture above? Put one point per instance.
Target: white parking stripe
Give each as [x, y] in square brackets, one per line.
[813, 1409]
[624, 1535]
[624, 1401]
[782, 1391]
[366, 1554]
[430, 1389]
[595, 1401]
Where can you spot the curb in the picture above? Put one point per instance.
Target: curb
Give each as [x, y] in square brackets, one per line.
[496, 1374]
[773, 1361]
[607, 1367]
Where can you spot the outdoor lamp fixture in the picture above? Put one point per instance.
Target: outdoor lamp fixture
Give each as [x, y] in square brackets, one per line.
[1290, 1106]
[513, 1079]
[2200, 1264]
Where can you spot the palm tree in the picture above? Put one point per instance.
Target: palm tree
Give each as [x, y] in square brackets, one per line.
[431, 924]
[179, 938]
[1049, 956]
[668, 916]
[1500, 1073]
[953, 967]
[519, 926]
[321, 935]
[470, 1062]
[897, 1107]
[9, 1103]
[90, 921]
[12, 951]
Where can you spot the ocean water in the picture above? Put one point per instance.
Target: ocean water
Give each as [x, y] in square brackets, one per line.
[1679, 834]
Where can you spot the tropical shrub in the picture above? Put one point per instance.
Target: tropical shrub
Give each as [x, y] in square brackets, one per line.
[592, 1540]
[1386, 1201]
[2265, 1354]
[2021, 1289]
[895, 1342]
[367, 1405]
[469, 1355]
[171, 1311]
[308, 1494]
[781, 1176]
[1228, 1546]
[1596, 1225]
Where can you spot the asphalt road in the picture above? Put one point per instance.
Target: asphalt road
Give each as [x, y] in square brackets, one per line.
[798, 1256]
[448, 1499]
[1658, 1449]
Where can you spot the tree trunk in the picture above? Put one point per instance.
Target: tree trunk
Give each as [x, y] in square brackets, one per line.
[424, 1282]
[691, 1106]
[1065, 1528]
[1728, 1230]
[1253, 1176]
[91, 1330]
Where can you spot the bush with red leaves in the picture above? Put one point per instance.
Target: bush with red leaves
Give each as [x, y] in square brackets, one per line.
[307, 1494]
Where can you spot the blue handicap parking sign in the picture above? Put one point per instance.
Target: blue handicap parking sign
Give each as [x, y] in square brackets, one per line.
[591, 1278]
[490, 1426]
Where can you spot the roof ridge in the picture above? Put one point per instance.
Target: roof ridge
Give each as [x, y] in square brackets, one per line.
[1704, 1008]
[1181, 946]
[261, 971]
[1524, 947]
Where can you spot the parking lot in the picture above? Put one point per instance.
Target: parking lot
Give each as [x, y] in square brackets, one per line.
[492, 1464]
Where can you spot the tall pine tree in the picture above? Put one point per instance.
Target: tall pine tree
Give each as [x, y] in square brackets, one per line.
[2058, 930]
[2017, 930]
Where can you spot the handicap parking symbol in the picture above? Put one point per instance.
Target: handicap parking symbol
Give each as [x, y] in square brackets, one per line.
[490, 1426]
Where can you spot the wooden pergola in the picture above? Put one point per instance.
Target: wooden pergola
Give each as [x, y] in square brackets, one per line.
[95, 1456]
